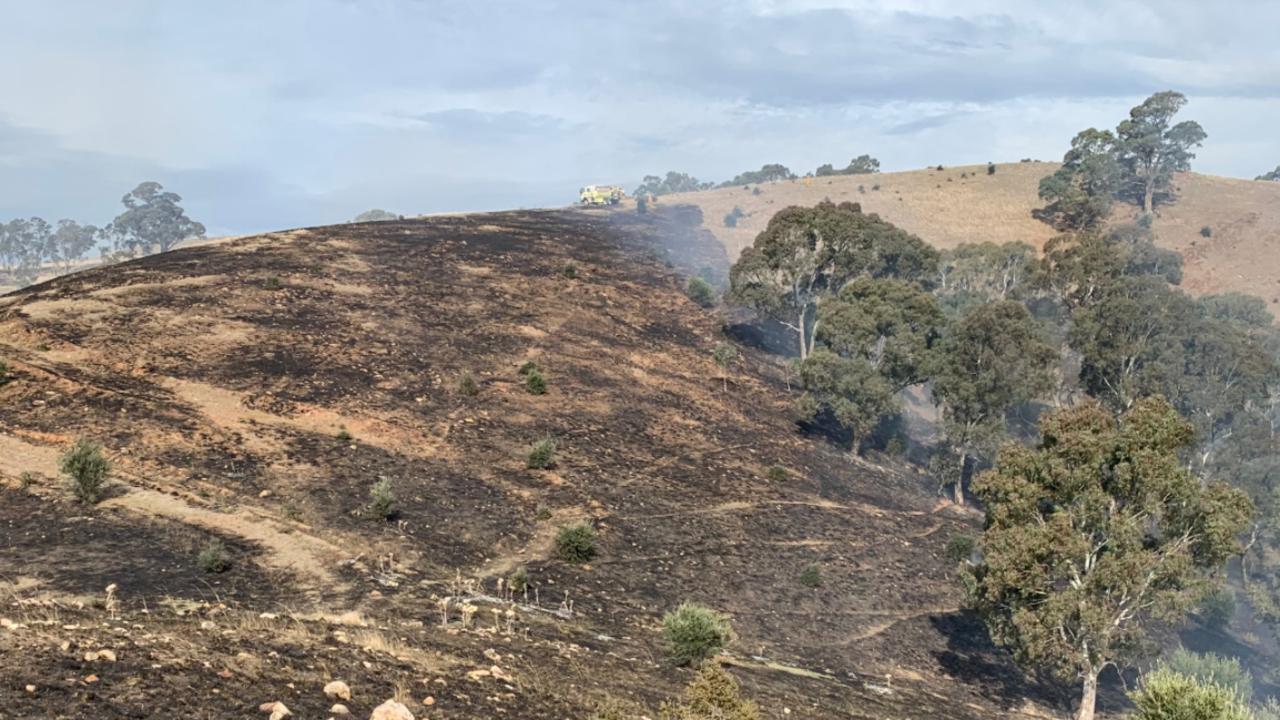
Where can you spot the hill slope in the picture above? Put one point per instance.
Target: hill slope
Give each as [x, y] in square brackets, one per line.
[254, 391]
[1242, 253]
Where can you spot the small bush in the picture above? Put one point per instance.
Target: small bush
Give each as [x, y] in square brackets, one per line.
[701, 292]
[1210, 669]
[695, 633]
[570, 271]
[731, 220]
[576, 543]
[518, 580]
[959, 548]
[755, 191]
[875, 188]
[273, 283]
[1217, 608]
[897, 446]
[535, 383]
[642, 205]
[991, 168]
[4, 372]
[862, 189]
[26, 479]
[1206, 231]
[712, 694]
[939, 168]
[85, 464]
[542, 455]
[1145, 220]
[213, 558]
[467, 385]
[528, 367]
[811, 576]
[1167, 695]
[343, 436]
[382, 501]
[775, 473]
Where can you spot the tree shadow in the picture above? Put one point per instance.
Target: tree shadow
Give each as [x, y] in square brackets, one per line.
[972, 658]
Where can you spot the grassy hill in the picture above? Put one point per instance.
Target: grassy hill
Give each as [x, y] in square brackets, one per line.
[1241, 254]
[254, 391]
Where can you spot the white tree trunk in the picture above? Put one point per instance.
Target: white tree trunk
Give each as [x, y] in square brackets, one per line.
[1088, 697]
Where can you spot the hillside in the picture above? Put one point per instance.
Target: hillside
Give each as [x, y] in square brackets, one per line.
[1242, 253]
[254, 391]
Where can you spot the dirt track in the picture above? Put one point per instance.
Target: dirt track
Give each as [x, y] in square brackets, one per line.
[257, 388]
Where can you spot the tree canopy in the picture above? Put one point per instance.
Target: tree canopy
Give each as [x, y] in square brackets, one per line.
[674, 182]
[1094, 535]
[771, 172]
[153, 221]
[861, 165]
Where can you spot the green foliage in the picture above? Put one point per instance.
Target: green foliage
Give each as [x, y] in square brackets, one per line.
[576, 543]
[1167, 695]
[153, 220]
[4, 372]
[960, 548]
[713, 695]
[811, 575]
[701, 292]
[1206, 231]
[674, 182]
[1273, 176]
[1211, 669]
[975, 273]
[695, 632]
[890, 324]
[861, 165]
[467, 385]
[772, 172]
[991, 168]
[1096, 534]
[375, 215]
[87, 468]
[570, 270]
[535, 383]
[343, 436]
[518, 580]
[382, 501]
[542, 455]
[850, 389]
[1081, 192]
[1152, 149]
[775, 473]
[642, 204]
[731, 219]
[213, 558]
[1217, 608]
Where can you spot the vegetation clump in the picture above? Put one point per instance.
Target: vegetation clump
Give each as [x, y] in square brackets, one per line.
[1168, 695]
[570, 271]
[1206, 231]
[701, 292]
[1217, 608]
[731, 218]
[87, 468]
[382, 501]
[213, 558]
[518, 580]
[4, 372]
[542, 455]
[991, 168]
[535, 383]
[695, 632]
[467, 385]
[576, 543]
[712, 695]
[811, 575]
[775, 473]
[959, 548]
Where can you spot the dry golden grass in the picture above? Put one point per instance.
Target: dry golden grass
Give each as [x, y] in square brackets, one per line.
[1242, 254]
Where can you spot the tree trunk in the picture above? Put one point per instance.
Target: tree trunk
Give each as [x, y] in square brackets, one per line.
[1148, 196]
[804, 345]
[964, 465]
[1089, 697]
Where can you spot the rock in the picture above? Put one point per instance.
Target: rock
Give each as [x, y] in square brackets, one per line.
[8, 624]
[337, 690]
[264, 494]
[31, 688]
[339, 710]
[391, 710]
[492, 655]
[277, 709]
[429, 700]
[498, 674]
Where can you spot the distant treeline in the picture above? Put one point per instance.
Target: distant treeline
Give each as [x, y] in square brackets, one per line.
[153, 221]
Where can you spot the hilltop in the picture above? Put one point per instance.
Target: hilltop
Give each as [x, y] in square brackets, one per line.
[254, 391]
[1242, 252]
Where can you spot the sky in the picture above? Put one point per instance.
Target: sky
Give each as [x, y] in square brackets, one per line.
[269, 115]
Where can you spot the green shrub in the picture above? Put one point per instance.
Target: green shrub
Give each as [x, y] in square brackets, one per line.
[713, 695]
[811, 576]
[959, 548]
[991, 168]
[695, 633]
[775, 473]
[570, 271]
[26, 479]
[1167, 695]
[1210, 669]
[467, 385]
[85, 464]
[535, 383]
[528, 367]
[731, 220]
[1217, 608]
[542, 455]
[518, 580]
[4, 372]
[755, 191]
[1206, 231]
[701, 292]
[875, 188]
[213, 558]
[642, 205]
[343, 436]
[382, 501]
[576, 543]
[272, 283]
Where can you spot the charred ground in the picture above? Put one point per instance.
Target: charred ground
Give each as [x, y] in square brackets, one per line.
[254, 391]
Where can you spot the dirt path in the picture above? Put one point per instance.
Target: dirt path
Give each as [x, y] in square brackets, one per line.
[289, 549]
[744, 505]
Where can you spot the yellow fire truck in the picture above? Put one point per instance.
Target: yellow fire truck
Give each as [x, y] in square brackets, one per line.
[600, 195]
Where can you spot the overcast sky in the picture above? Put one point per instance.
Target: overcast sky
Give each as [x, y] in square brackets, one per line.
[284, 113]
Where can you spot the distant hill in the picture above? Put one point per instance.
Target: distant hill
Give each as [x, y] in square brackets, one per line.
[1242, 252]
